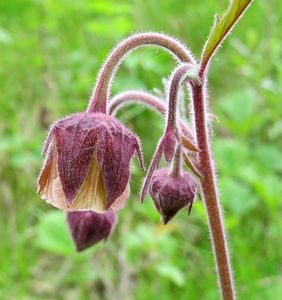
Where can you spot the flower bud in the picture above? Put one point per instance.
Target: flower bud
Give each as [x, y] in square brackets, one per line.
[88, 228]
[170, 194]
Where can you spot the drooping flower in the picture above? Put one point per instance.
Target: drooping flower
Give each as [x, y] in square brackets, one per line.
[88, 228]
[170, 193]
[88, 163]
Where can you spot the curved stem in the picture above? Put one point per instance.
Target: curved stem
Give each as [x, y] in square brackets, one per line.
[177, 77]
[209, 191]
[98, 101]
[127, 97]
[118, 101]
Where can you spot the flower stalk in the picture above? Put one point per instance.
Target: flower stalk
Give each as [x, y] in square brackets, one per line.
[176, 167]
[98, 100]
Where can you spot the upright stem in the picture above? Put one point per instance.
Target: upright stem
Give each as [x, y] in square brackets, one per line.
[98, 101]
[210, 194]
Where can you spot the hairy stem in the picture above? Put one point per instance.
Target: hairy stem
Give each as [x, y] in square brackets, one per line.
[118, 101]
[153, 165]
[176, 167]
[166, 143]
[177, 77]
[98, 101]
[128, 97]
[209, 191]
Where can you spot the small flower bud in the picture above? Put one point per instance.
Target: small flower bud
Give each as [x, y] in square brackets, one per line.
[170, 194]
[88, 228]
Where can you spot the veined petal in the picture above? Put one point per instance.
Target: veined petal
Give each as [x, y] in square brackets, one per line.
[91, 195]
[48, 174]
[121, 200]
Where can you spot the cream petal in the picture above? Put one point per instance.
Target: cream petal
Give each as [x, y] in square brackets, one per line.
[58, 198]
[91, 195]
[47, 176]
[121, 200]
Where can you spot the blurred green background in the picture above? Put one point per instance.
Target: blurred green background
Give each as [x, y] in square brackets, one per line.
[50, 52]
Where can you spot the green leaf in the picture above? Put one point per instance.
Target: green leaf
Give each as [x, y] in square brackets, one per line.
[221, 28]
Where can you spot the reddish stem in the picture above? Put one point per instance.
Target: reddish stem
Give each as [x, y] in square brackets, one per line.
[98, 101]
[210, 194]
[176, 167]
[121, 99]
[175, 83]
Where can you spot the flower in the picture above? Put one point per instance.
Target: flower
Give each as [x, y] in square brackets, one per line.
[87, 163]
[88, 228]
[170, 194]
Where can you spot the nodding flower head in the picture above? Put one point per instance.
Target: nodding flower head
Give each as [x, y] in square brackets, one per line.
[170, 193]
[88, 163]
[88, 228]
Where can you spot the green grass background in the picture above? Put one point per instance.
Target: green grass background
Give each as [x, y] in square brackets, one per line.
[50, 52]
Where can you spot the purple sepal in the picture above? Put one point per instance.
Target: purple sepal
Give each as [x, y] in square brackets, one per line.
[170, 194]
[169, 142]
